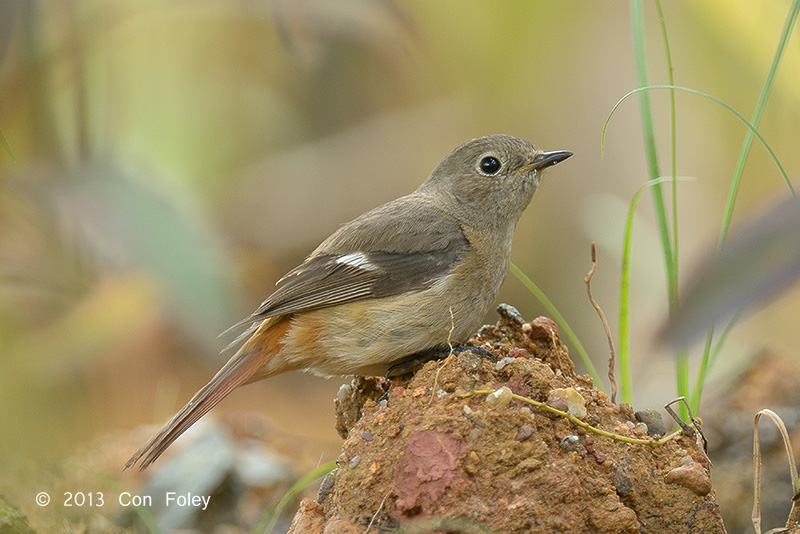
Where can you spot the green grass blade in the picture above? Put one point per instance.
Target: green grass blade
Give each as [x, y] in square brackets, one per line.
[623, 353]
[707, 362]
[709, 356]
[682, 356]
[791, 18]
[721, 341]
[266, 523]
[640, 57]
[673, 146]
[648, 131]
[560, 321]
[671, 251]
[713, 99]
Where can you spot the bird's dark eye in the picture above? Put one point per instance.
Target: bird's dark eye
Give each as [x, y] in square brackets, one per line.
[490, 165]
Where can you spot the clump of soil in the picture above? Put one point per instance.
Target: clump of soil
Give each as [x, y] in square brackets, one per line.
[432, 457]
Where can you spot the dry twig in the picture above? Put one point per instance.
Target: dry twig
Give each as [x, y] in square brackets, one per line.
[588, 279]
[449, 344]
[792, 522]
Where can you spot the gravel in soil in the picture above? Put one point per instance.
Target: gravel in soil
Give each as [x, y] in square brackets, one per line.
[427, 455]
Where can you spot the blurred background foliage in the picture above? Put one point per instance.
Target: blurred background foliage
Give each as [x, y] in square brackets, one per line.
[172, 159]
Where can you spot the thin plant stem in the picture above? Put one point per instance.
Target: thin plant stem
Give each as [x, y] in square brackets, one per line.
[652, 442]
[694, 400]
[626, 388]
[682, 354]
[713, 99]
[709, 357]
[640, 58]
[673, 140]
[721, 341]
[560, 321]
[669, 244]
[787, 444]
[266, 523]
[681, 363]
[612, 352]
[759, 110]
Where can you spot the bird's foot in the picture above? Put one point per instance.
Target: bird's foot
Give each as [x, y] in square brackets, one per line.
[413, 363]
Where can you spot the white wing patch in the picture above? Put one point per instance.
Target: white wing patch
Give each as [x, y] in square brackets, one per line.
[358, 260]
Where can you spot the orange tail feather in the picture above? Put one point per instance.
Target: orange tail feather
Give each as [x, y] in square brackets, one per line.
[254, 354]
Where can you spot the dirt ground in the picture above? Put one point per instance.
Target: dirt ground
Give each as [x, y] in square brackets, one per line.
[429, 455]
[423, 453]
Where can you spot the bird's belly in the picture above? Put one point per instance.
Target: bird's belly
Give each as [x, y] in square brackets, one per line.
[367, 337]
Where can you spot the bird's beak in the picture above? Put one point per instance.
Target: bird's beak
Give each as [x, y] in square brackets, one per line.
[548, 159]
[544, 160]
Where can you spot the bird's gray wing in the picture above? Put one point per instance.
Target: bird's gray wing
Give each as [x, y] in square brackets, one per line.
[404, 248]
[328, 280]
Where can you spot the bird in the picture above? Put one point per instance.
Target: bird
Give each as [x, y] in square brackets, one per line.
[408, 277]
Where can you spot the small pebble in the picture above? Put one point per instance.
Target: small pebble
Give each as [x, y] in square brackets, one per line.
[544, 329]
[367, 436]
[507, 311]
[345, 392]
[622, 481]
[526, 328]
[502, 363]
[326, 486]
[574, 401]
[500, 397]
[354, 461]
[654, 422]
[558, 403]
[524, 432]
[518, 352]
[568, 443]
[692, 476]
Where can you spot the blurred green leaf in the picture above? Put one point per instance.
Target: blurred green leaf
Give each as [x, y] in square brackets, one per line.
[752, 267]
[128, 220]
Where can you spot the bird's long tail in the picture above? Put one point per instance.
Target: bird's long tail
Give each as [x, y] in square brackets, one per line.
[240, 369]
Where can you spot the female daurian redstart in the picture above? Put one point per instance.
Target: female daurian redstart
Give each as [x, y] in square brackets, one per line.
[405, 278]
